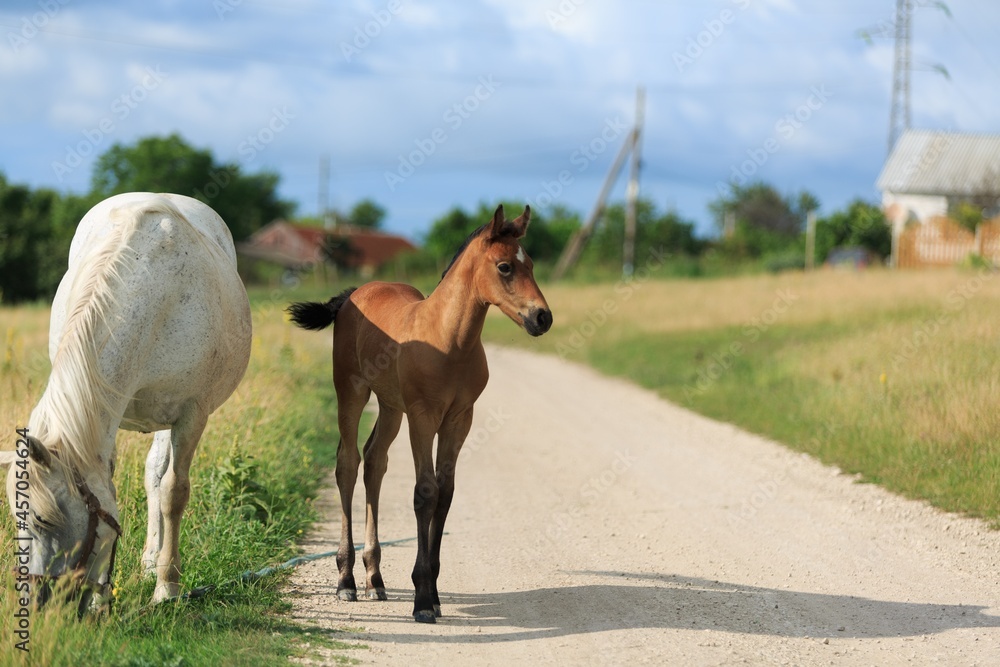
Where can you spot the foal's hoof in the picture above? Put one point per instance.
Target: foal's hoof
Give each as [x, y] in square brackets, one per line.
[437, 610]
[377, 594]
[347, 595]
[425, 616]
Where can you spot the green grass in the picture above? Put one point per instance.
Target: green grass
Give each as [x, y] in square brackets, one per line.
[258, 469]
[890, 375]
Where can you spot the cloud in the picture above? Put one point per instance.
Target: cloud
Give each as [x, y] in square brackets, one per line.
[564, 67]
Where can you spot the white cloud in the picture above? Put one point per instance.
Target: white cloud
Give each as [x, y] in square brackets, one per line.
[559, 83]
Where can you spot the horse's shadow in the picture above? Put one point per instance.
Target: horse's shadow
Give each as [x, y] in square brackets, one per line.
[679, 602]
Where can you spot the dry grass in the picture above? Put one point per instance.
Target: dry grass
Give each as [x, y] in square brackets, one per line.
[688, 305]
[283, 415]
[891, 374]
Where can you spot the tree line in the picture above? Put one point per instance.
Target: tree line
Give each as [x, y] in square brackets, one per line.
[755, 221]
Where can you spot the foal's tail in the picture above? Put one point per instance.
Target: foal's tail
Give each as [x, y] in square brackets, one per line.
[315, 316]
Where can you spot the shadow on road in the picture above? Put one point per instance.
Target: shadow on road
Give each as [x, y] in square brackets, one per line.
[632, 600]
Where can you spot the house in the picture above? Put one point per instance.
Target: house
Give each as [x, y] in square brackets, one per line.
[928, 170]
[926, 175]
[299, 247]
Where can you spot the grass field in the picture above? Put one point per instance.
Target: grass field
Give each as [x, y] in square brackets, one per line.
[891, 375]
[258, 467]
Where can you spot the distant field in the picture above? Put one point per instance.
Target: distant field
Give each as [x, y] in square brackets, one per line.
[259, 465]
[892, 375]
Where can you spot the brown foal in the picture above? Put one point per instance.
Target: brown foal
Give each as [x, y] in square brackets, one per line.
[423, 358]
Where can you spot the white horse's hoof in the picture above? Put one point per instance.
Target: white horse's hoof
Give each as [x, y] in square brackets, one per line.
[165, 592]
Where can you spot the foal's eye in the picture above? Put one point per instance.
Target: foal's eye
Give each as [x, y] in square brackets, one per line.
[504, 268]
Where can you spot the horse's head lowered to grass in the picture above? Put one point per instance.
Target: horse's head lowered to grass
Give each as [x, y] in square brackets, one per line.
[70, 532]
[150, 331]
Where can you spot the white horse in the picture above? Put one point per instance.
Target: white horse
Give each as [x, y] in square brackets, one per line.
[150, 331]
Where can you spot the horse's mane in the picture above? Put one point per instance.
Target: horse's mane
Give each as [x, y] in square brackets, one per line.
[68, 415]
[461, 249]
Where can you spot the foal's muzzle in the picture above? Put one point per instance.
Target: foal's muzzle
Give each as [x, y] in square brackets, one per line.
[537, 321]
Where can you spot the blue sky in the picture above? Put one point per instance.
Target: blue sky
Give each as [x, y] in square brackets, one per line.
[424, 105]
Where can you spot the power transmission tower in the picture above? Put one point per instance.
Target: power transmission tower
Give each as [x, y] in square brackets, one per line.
[899, 115]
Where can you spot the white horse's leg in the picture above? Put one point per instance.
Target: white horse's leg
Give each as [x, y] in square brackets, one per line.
[156, 466]
[175, 489]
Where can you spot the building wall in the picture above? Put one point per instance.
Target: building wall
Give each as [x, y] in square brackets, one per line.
[901, 208]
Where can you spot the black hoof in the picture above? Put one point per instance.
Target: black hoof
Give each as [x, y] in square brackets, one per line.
[377, 594]
[437, 610]
[424, 616]
[347, 595]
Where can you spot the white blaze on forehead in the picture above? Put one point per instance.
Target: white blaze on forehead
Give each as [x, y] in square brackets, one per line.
[520, 254]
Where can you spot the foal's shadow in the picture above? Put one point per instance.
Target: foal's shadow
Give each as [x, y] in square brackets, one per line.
[675, 601]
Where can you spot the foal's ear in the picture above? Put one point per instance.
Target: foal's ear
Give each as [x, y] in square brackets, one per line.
[500, 227]
[7, 458]
[497, 224]
[520, 224]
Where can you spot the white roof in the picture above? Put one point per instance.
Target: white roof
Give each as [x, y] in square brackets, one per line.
[933, 162]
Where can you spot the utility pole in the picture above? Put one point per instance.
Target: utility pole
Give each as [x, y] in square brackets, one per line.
[571, 253]
[323, 203]
[632, 192]
[810, 240]
[579, 239]
[899, 115]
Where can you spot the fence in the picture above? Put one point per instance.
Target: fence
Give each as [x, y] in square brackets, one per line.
[943, 242]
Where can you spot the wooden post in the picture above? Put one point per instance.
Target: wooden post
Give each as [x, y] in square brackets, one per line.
[579, 239]
[810, 240]
[632, 192]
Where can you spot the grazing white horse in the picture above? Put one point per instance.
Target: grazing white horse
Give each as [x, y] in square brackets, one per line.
[150, 331]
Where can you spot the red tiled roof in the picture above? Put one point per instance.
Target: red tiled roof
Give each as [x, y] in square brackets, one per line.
[297, 246]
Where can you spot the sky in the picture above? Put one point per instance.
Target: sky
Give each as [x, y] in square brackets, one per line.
[424, 105]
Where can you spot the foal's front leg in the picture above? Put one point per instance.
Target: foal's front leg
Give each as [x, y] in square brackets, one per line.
[452, 435]
[425, 500]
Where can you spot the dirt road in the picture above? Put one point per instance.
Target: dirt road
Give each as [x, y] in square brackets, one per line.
[596, 524]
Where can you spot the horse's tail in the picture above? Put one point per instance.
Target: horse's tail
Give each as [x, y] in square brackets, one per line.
[315, 316]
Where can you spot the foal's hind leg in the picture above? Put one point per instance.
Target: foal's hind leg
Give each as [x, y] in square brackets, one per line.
[350, 406]
[376, 462]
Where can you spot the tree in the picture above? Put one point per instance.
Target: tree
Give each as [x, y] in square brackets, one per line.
[339, 251]
[860, 224]
[765, 220]
[36, 227]
[546, 236]
[448, 232]
[153, 164]
[366, 213]
[760, 205]
[169, 164]
[660, 232]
